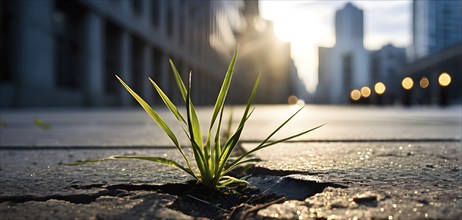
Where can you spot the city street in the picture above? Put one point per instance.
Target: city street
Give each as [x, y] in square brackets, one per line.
[365, 162]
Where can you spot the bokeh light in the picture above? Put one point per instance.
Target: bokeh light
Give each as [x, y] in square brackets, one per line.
[424, 82]
[407, 83]
[380, 88]
[365, 92]
[355, 95]
[444, 79]
[292, 100]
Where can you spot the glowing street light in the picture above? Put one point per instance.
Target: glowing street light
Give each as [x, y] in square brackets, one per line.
[380, 88]
[407, 83]
[292, 100]
[444, 79]
[355, 95]
[424, 82]
[365, 92]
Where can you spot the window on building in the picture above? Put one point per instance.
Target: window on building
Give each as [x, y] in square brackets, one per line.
[156, 74]
[181, 25]
[347, 69]
[112, 57]
[137, 6]
[6, 40]
[138, 78]
[66, 26]
[169, 20]
[155, 12]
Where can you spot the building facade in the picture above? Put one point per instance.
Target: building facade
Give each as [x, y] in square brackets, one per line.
[66, 53]
[387, 67]
[346, 65]
[261, 52]
[436, 50]
[437, 24]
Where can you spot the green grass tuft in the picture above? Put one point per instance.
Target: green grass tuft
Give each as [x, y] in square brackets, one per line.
[212, 156]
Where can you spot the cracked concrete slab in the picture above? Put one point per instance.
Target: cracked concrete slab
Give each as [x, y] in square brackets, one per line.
[391, 163]
[137, 206]
[42, 172]
[383, 180]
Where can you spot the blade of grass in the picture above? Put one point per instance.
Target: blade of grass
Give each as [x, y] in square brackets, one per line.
[229, 146]
[263, 145]
[199, 154]
[288, 138]
[157, 118]
[219, 103]
[178, 79]
[168, 103]
[226, 180]
[152, 159]
[232, 141]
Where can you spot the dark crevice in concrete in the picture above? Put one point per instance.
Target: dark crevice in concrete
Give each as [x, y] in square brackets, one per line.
[169, 188]
[266, 187]
[263, 171]
[119, 190]
[293, 186]
[73, 198]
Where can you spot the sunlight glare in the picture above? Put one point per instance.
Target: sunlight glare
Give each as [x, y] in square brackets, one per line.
[283, 31]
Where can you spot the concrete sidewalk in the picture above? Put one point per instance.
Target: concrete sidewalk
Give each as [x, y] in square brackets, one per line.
[384, 163]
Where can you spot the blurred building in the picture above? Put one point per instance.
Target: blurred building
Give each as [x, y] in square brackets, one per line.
[261, 51]
[346, 65]
[436, 50]
[437, 24]
[386, 67]
[66, 53]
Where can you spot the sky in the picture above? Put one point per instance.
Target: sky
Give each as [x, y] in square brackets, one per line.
[310, 24]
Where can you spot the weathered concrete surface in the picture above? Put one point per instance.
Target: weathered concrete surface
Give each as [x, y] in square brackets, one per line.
[393, 162]
[133, 127]
[43, 172]
[39, 182]
[383, 180]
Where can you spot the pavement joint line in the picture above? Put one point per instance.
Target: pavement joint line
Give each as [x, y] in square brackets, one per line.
[128, 147]
[365, 140]
[135, 147]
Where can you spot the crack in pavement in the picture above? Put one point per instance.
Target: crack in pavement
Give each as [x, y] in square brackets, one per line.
[119, 190]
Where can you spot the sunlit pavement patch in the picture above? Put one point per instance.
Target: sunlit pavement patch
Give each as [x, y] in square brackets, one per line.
[383, 180]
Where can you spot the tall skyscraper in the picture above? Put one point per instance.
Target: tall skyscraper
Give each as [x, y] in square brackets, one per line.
[437, 24]
[345, 66]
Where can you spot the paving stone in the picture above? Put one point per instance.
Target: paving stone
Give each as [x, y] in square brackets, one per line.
[378, 163]
[41, 173]
[133, 127]
[382, 180]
